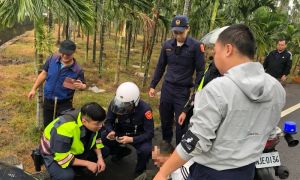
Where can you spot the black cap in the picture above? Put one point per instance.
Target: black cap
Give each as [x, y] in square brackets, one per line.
[67, 47]
[180, 23]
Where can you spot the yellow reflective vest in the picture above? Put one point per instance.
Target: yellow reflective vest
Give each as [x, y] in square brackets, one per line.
[61, 140]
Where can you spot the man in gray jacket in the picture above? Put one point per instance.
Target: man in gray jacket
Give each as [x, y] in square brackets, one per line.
[233, 114]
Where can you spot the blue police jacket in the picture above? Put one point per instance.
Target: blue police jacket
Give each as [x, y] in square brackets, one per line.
[181, 63]
[138, 125]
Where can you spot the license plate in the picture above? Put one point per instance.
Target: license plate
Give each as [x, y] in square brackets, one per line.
[271, 159]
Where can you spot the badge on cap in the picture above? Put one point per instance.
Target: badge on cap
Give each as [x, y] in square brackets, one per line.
[148, 115]
[178, 22]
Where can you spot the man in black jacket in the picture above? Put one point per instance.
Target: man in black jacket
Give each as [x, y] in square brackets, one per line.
[279, 62]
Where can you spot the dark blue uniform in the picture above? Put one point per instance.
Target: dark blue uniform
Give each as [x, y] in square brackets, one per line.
[138, 125]
[181, 63]
[198, 171]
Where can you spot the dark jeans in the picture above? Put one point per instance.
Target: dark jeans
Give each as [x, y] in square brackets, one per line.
[58, 173]
[200, 172]
[62, 105]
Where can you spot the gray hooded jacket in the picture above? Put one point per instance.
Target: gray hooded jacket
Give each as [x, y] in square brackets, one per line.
[233, 117]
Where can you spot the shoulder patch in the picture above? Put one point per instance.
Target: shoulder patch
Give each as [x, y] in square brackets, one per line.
[148, 115]
[202, 48]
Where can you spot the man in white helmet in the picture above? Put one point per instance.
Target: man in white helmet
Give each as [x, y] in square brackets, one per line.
[129, 121]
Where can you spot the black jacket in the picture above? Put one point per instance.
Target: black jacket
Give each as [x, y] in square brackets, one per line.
[209, 75]
[278, 64]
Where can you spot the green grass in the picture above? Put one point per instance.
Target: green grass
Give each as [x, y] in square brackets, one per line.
[18, 129]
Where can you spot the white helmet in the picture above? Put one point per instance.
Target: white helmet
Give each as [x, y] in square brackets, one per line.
[126, 99]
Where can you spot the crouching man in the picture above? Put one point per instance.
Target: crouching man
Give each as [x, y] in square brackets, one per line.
[70, 144]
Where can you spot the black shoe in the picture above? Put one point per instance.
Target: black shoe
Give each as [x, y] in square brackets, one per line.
[122, 152]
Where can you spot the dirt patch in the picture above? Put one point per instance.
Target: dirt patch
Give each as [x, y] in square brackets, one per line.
[4, 61]
[6, 136]
[4, 115]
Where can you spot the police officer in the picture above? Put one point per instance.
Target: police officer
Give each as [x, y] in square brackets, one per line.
[279, 62]
[129, 121]
[63, 75]
[182, 55]
[71, 143]
[209, 74]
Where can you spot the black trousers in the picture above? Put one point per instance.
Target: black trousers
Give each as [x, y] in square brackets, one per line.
[143, 151]
[62, 105]
[200, 172]
[173, 99]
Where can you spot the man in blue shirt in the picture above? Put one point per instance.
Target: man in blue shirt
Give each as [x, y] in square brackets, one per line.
[63, 76]
[182, 55]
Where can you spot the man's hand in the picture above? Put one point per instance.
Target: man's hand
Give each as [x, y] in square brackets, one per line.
[125, 140]
[181, 118]
[101, 164]
[31, 94]
[151, 92]
[79, 85]
[111, 135]
[283, 78]
[92, 166]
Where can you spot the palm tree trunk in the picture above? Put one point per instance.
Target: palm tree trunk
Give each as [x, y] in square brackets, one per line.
[87, 46]
[78, 30]
[162, 35]
[74, 31]
[63, 32]
[102, 31]
[214, 14]
[95, 33]
[109, 30]
[58, 31]
[38, 67]
[116, 38]
[67, 29]
[187, 5]
[143, 50]
[129, 43]
[122, 34]
[50, 20]
[155, 20]
[135, 35]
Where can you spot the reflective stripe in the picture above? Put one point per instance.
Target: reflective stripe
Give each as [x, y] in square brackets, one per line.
[202, 81]
[66, 159]
[45, 145]
[184, 172]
